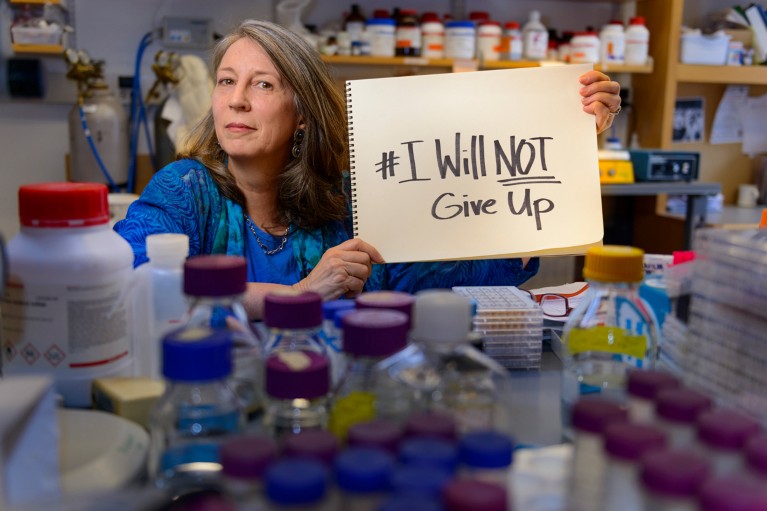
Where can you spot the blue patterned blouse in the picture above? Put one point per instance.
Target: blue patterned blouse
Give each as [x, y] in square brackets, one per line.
[183, 198]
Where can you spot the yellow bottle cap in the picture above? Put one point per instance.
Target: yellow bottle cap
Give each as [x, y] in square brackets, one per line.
[614, 263]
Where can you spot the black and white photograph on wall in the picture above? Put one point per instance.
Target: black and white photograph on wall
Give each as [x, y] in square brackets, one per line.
[689, 120]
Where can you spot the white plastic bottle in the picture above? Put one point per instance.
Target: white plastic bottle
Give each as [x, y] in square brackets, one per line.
[637, 42]
[612, 39]
[432, 37]
[159, 299]
[489, 40]
[67, 307]
[535, 38]
[460, 40]
[584, 48]
[512, 42]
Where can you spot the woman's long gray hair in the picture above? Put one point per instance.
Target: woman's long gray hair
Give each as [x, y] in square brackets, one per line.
[310, 187]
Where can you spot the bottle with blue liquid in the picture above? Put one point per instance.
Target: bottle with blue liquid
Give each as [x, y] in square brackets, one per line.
[611, 332]
[197, 411]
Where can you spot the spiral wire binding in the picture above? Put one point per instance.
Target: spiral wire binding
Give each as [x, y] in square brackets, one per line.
[353, 177]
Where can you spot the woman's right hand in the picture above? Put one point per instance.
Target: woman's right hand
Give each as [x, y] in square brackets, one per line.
[342, 271]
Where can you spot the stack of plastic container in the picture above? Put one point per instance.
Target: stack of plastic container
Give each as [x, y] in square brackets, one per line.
[728, 318]
[510, 324]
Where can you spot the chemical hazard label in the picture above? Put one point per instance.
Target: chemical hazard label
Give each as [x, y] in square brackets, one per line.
[54, 355]
[29, 353]
[10, 351]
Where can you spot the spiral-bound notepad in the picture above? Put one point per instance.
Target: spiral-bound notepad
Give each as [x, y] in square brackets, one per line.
[474, 165]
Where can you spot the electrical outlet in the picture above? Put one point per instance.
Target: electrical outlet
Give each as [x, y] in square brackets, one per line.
[180, 32]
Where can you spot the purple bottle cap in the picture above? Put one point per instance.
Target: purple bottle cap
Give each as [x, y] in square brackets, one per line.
[381, 433]
[647, 383]
[297, 374]
[681, 405]
[396, 300]
[431, 424]
[293, 310]
[673, 473]
[247, 456]
[756, 453]
[593, 415]
[471, 495]
[733, 492]
[629, 441]
[374, 333]
[215, 275]
[726, 429]
[315, 444]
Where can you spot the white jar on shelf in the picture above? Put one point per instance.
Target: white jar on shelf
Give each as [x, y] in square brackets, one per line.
[382, 34]
[637, 42]
[612, 40]
[584, 47]
[489, 40]
[432, 37]
[460, 40]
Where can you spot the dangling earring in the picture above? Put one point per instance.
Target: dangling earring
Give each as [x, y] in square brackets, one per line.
[298, 137]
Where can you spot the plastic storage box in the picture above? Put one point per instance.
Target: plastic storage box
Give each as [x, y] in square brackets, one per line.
[698, 48]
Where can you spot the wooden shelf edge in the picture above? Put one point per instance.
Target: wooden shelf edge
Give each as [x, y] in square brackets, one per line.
[448, 63]
[50, 49]
[745, 75]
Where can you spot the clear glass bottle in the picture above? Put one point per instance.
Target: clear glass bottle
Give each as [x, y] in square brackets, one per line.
[298, 484]
[722, 436]
[297, 386]
[589, 419]
[197, 410]
[755, 456]
[294, 322]
[382, 434]
[362, 476]
[244, 460]
[214, 286]
[367, 389]
[431, 424]
[671, 479]
[610, 332]
[676, 411]
[318, 445]
[451, 375]
[332, 335]
[625, 444]
[732, 493]
[642, 386]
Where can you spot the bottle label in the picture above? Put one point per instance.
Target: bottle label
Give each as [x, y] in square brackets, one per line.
[349, 410]
[64, 327]
[607, 339]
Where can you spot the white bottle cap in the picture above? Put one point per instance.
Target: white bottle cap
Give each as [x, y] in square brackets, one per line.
[167, 248]
[440, 315]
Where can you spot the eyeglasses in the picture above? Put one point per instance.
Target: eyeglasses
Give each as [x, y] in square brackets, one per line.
[553, 305]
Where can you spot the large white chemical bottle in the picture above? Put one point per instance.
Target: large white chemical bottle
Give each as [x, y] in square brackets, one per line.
[67, 306]
[535, 38]
[107, 124]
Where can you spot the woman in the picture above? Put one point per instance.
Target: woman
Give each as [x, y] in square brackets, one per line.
[262, 177]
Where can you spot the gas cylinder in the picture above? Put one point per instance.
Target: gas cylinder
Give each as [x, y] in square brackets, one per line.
[107, 123]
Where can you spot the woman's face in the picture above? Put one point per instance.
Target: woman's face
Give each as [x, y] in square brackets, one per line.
[253, 109]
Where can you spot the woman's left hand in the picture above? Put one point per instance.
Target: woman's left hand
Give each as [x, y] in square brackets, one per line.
[600, 97]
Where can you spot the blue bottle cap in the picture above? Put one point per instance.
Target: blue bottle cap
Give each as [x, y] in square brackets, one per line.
[411, 502]
[486, 449]
[338, 318]
[364, 470]
[429, 451]
[330, 307]
[197, 354]
[296, 481]
[428, 480]
[381, 21]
